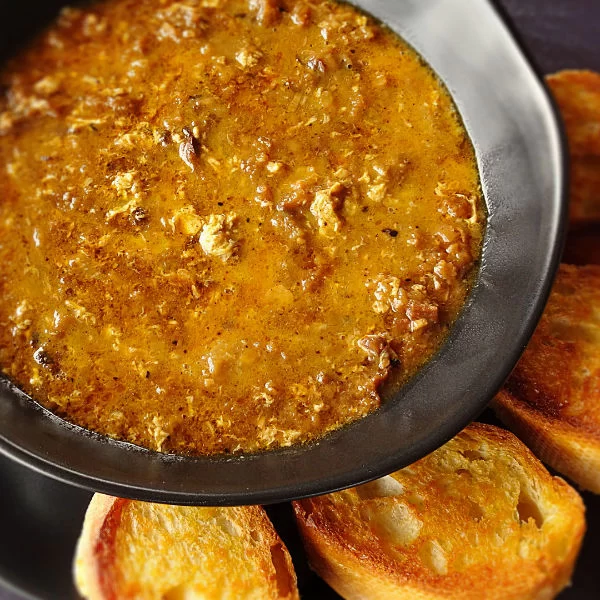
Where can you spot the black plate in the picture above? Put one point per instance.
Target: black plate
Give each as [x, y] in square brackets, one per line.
[513, 126]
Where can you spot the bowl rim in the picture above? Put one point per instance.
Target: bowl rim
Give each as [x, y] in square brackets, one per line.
[53, 447]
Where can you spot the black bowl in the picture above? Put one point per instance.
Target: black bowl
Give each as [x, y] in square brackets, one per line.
[518, 142]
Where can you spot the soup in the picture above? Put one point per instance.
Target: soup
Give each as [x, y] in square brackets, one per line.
[224, 223]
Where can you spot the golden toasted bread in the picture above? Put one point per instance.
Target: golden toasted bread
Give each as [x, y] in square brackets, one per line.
[578, 96]
[478, 519]
[552, 399]
[149, 551]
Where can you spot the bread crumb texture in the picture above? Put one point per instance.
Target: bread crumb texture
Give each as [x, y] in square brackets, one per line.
[577, 94]
[552, 399]
[479, 518]
[150, 551]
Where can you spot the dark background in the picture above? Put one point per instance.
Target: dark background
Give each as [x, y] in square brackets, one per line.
[40, 519]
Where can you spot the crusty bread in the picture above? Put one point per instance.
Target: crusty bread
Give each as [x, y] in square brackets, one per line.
[149, 551]
[478, 519]
[577, 94]
[552, 399]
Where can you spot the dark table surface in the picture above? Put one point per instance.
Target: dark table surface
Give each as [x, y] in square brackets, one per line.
[558, 34]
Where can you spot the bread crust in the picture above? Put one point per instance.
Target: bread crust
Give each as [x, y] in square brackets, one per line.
[102, 558]
[567, 450]
[347, 549]
[92, 546]
[552, 398]
[577, 93]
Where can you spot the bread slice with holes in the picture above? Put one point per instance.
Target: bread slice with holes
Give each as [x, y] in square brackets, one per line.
[577, 94]
[147, 551]
[552, 399]
[478, 519]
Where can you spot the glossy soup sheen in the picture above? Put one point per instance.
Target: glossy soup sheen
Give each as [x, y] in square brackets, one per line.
[224, 222]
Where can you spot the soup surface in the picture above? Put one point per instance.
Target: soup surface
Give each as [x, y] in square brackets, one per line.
[224, 222]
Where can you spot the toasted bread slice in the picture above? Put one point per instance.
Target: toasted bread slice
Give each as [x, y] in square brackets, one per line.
[478, 519]
[552, 399]
[577, 94]
[149, 551]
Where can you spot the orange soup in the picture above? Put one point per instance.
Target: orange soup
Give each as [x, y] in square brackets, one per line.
[223, 223]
